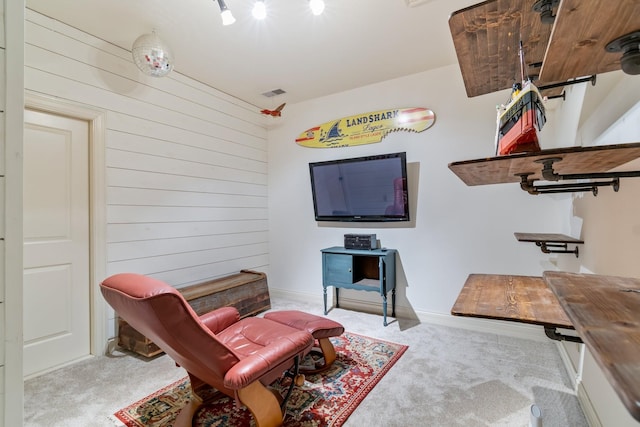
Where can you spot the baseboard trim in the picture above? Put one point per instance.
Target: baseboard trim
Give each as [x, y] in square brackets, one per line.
[588, 409]
[568, 365]
[583, 398]
[510, 329]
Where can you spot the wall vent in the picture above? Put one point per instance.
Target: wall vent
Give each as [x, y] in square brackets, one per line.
[274, 92]
[416, 3]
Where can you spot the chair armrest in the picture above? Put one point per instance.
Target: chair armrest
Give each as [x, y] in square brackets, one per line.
[220, 319]
[253, 367]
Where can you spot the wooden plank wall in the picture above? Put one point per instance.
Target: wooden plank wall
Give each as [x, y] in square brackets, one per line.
[186, 164]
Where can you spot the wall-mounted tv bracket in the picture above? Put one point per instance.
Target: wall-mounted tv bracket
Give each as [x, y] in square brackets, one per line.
[613, 179]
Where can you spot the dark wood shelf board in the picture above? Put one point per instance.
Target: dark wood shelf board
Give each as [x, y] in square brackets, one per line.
[523, 299]
[605, 313]
[487, 41]
[487, 37]
[546, 237]
[581, 31]
[505, 169]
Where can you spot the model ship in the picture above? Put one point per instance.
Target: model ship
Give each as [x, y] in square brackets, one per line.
[520, 121]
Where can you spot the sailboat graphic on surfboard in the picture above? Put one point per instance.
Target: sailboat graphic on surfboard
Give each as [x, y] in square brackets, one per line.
[366, 128]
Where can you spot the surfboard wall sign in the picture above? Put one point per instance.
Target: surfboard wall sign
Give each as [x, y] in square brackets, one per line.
[366, 128]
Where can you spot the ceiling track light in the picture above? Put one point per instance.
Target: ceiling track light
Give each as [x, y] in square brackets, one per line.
[259, 10]
[225, 13]
[317, 6]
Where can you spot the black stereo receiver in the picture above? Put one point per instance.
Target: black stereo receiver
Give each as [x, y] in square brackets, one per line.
[360, 241]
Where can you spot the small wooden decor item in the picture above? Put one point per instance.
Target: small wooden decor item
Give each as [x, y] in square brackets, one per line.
[247, 291]
[366, 128]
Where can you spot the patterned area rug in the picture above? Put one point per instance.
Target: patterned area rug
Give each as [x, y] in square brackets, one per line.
[326, 399]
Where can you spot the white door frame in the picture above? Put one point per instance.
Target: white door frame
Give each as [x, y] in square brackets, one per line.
[97, 202]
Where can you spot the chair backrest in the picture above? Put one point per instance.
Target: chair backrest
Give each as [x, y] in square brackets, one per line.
[160, 313]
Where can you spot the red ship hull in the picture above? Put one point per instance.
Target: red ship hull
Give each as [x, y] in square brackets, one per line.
[519, 124]
[522, 137]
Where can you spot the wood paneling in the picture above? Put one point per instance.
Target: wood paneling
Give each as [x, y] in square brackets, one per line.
[114, 68]
[605, 312]
[186, 164]
[130, 232]
[118, 177]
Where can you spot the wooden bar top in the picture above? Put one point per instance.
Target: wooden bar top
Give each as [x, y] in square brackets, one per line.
[523, 299]
[605, 311]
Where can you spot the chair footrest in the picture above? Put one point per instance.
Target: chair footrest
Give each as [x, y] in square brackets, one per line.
[319, 327]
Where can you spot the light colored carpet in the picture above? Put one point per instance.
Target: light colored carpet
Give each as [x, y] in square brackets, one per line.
[447, 377]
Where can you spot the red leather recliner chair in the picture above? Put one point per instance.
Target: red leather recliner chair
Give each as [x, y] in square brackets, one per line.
[237, 357]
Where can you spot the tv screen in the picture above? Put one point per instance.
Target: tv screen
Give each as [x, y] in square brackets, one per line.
[372, 188]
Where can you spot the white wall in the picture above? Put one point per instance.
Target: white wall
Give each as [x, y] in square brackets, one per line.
[456, 230]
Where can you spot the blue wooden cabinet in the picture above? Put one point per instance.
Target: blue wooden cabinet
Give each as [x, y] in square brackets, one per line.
[360, 269]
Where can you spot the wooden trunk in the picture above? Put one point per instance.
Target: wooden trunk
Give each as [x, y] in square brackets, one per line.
[247, 291]
[130, 339]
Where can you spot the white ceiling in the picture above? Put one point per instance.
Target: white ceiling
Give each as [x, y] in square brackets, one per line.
[352, 44]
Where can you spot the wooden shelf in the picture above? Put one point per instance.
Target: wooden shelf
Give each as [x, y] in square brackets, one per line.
[487, 37]
[605, 313]
[546, 237]
[551, 242]
[603, 310]
[522, 299]
[575, 160]
[487, 41]
[581, 31]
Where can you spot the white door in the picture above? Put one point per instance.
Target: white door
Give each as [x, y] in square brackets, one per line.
[56, 242]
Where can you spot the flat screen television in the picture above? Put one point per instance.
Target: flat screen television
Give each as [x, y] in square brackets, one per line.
[367, 189]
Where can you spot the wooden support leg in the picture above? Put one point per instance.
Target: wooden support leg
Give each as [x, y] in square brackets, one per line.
[328, 351]
[264, 406]
[188, 411]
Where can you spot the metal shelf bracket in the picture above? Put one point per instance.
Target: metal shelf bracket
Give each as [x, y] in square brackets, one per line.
[545, 248]
[589, 181]
[553, 334]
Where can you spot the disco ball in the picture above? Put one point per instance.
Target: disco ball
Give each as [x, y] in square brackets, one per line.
[151, 56]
